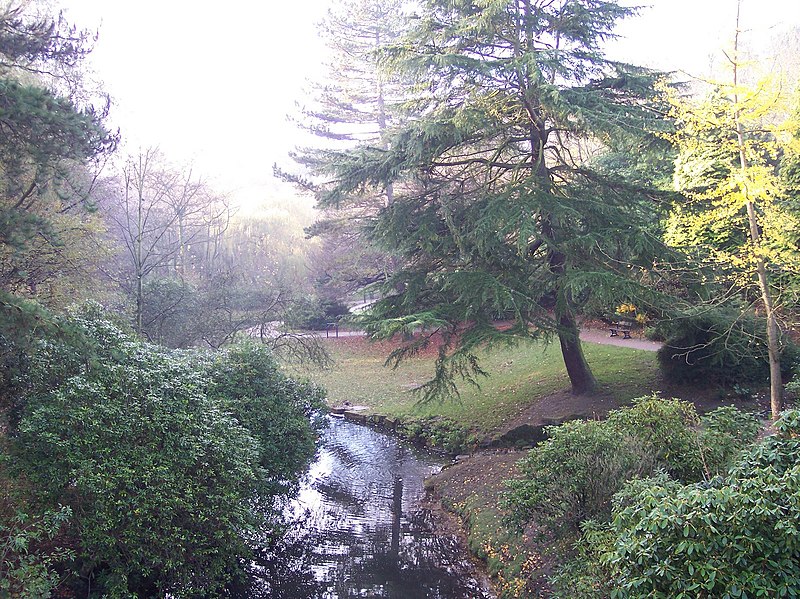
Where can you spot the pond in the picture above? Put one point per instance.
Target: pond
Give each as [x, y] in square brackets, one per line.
[361, 531]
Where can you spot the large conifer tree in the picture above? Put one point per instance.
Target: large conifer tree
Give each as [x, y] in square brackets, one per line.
[354, 102]
[502, 208]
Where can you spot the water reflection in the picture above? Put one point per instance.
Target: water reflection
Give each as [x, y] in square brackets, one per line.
[363, 533]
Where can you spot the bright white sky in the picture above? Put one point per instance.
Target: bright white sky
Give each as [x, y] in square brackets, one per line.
[211, 83]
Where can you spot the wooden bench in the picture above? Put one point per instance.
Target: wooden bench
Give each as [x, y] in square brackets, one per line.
[620, 326]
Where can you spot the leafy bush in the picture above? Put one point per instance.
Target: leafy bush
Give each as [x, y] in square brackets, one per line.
[169, 461]
[572, 476]
[27, 556]
[151, 467]
[328, 311]
[585, 575]
[665, 430]
[275, 409]
[715, 345]
[726, 431]
[736, 537]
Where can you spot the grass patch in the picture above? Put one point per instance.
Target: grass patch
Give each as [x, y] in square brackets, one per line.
[472, 490]
[519, 376]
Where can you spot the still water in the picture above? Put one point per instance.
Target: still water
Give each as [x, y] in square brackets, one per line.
[361, 532]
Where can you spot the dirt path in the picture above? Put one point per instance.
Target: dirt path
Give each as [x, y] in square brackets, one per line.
[590, 335]
[603, 337]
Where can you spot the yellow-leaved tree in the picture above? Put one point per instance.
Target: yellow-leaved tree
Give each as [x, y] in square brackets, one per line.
[737, 213]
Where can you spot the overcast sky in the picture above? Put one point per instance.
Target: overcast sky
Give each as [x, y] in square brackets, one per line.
[212, 83]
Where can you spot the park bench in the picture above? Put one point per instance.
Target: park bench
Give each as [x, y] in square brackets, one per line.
[620, 326]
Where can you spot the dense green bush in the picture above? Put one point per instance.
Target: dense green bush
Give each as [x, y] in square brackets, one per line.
[736, 537]
[725, 432]
[28, 555]
[733, 536]
[717, 345]
[275, 409]
[665, 431]
[572, 476]
[327, 312]
[169, 461]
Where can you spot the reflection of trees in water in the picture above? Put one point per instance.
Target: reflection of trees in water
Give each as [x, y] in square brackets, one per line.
[281, 571]
[360, 535]
[419, 565]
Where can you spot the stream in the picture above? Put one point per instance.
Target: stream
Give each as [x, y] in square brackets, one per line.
[360, 530]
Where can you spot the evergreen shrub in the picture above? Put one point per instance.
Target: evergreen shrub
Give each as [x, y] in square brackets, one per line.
[718, 346]
[738, 536]
[171, 463]
[571, 477]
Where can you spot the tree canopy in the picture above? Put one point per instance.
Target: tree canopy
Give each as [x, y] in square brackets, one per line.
[502, 208]
[47, 136]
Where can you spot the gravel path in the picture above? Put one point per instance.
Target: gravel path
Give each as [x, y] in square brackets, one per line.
[602, 337]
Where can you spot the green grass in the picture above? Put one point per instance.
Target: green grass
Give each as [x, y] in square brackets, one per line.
[518, 377]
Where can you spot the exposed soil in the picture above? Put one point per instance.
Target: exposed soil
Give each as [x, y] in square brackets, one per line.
[484, 470]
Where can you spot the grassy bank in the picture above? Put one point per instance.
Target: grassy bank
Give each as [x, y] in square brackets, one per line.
[519, 377]
[472, 490]
[526, 383]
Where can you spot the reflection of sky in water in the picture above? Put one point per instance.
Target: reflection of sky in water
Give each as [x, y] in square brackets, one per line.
[357, 505]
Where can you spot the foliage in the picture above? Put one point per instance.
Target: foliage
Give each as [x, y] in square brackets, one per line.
[736, 217]
[438, 433]
[572, 476]
[27, 557]
[275, 409]
[665, 432]
[498, 210]
[584, 575]
[725, 432]
[169, 461]
[735, 537]
[717, 345]
[24, 327]
[329, 311]
[47, 142]
[713, 217]
[356, 101]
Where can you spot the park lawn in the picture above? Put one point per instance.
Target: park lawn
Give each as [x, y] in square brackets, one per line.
[519, 376]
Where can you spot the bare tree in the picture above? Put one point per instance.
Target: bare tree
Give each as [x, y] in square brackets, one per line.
[160, 213]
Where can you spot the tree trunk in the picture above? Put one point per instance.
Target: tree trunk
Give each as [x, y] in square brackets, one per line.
[580, 375]
[773, 332]
[138, 256]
